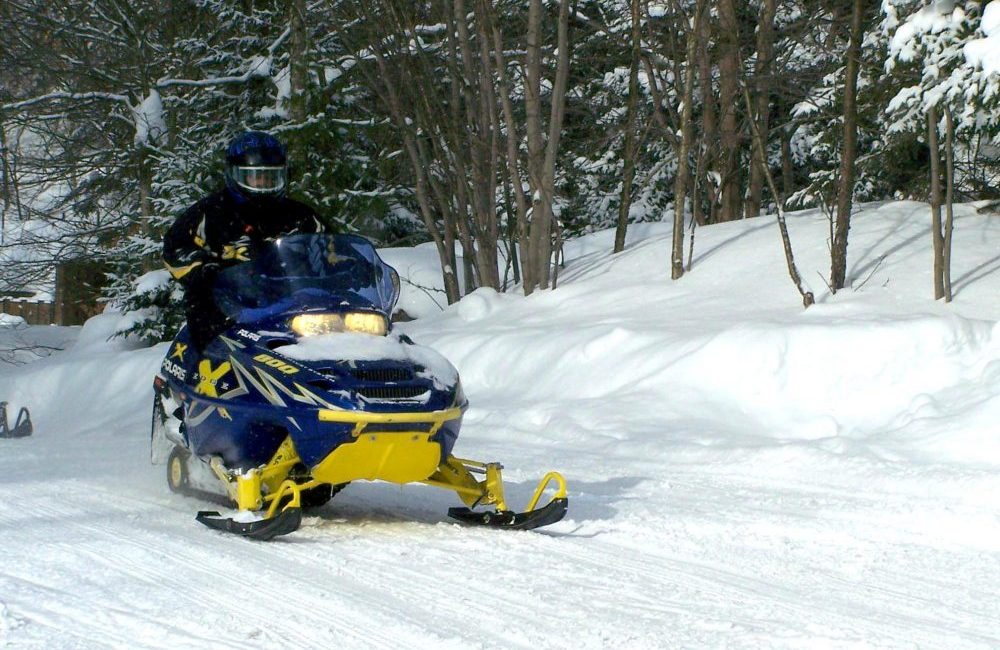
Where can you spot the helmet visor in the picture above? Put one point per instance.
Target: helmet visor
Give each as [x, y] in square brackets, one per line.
[260, 180]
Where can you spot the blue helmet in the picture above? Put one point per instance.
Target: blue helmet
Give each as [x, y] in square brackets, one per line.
[256, 165]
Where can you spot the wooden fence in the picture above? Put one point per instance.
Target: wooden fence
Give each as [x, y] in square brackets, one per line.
[78, 289]
[35, 313]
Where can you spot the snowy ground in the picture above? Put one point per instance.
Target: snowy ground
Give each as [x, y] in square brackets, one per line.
[742, 473]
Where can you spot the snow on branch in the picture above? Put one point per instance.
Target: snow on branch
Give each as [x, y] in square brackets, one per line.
[259, 66]
[985, 52]
[252, 72]
[26, 103]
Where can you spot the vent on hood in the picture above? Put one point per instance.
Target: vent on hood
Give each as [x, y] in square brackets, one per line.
[391, 392]
[382, 374]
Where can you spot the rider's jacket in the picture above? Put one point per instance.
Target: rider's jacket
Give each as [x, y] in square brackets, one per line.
[220, 230]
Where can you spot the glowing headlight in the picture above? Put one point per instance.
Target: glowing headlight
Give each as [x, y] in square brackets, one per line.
[316, 324]
[357, 321]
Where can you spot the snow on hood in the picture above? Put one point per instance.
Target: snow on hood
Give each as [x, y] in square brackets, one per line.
[365, 347]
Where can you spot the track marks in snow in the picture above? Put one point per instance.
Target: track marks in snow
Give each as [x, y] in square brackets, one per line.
[717, 551]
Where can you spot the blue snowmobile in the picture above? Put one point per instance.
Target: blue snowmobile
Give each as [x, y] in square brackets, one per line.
[310, 389]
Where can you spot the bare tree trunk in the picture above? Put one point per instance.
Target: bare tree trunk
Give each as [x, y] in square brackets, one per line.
[558, 255]
[709, 128]
[298, 77]
[628, 158]
[536, 153]
[762, 88]
[729, 135]
[787, 168]
[459, 129]
[683, 179]
[511, 161]
[556, 112]
[949, 222]
[5, 179]
[937, 238]
[419, 163]
[490, 225]
[848, 155]
[481, 138]
[807, 296]
[511, 235]
[542, 153]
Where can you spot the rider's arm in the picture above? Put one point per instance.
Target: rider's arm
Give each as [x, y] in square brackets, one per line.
[195, 265]
[305, 220]
[185, 252]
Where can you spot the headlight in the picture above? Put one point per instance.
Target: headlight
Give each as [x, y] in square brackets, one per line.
[316, 324]
[358, 321]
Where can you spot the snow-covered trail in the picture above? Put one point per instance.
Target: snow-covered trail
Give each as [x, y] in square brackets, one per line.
[741, 473]
[652, 556]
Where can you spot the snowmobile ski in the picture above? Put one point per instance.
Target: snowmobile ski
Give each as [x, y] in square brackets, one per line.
[22, 425]
[287, 521]
[550, 514]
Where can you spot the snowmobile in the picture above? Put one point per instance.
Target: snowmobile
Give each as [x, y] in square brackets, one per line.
[310, 389]
[22, 424]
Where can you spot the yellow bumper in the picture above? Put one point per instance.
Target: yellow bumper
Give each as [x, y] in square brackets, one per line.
[404, 456]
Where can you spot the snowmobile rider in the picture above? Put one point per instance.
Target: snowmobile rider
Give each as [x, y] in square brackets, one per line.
[226, 227]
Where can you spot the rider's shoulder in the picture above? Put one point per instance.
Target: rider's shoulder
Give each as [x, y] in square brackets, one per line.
[213, 203]
[296, 207]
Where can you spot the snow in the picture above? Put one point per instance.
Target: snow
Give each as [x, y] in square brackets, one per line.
[742, 472]
[149, 123]
[365, 347]
[933, 18]
[422, 290]
[282, 81]
[152, 281]
[259, 67]
[985, 52]
[21, 343]
[6, 321]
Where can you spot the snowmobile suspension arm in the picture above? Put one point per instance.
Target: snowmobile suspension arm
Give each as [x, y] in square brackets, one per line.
[456, 474]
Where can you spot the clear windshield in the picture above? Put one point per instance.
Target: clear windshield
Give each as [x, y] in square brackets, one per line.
[309, 273]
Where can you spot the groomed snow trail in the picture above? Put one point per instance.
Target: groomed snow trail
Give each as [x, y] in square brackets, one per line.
[742, 474]
[652, 556]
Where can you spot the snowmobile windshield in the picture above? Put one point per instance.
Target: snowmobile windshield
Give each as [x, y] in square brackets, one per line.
[301, 273]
